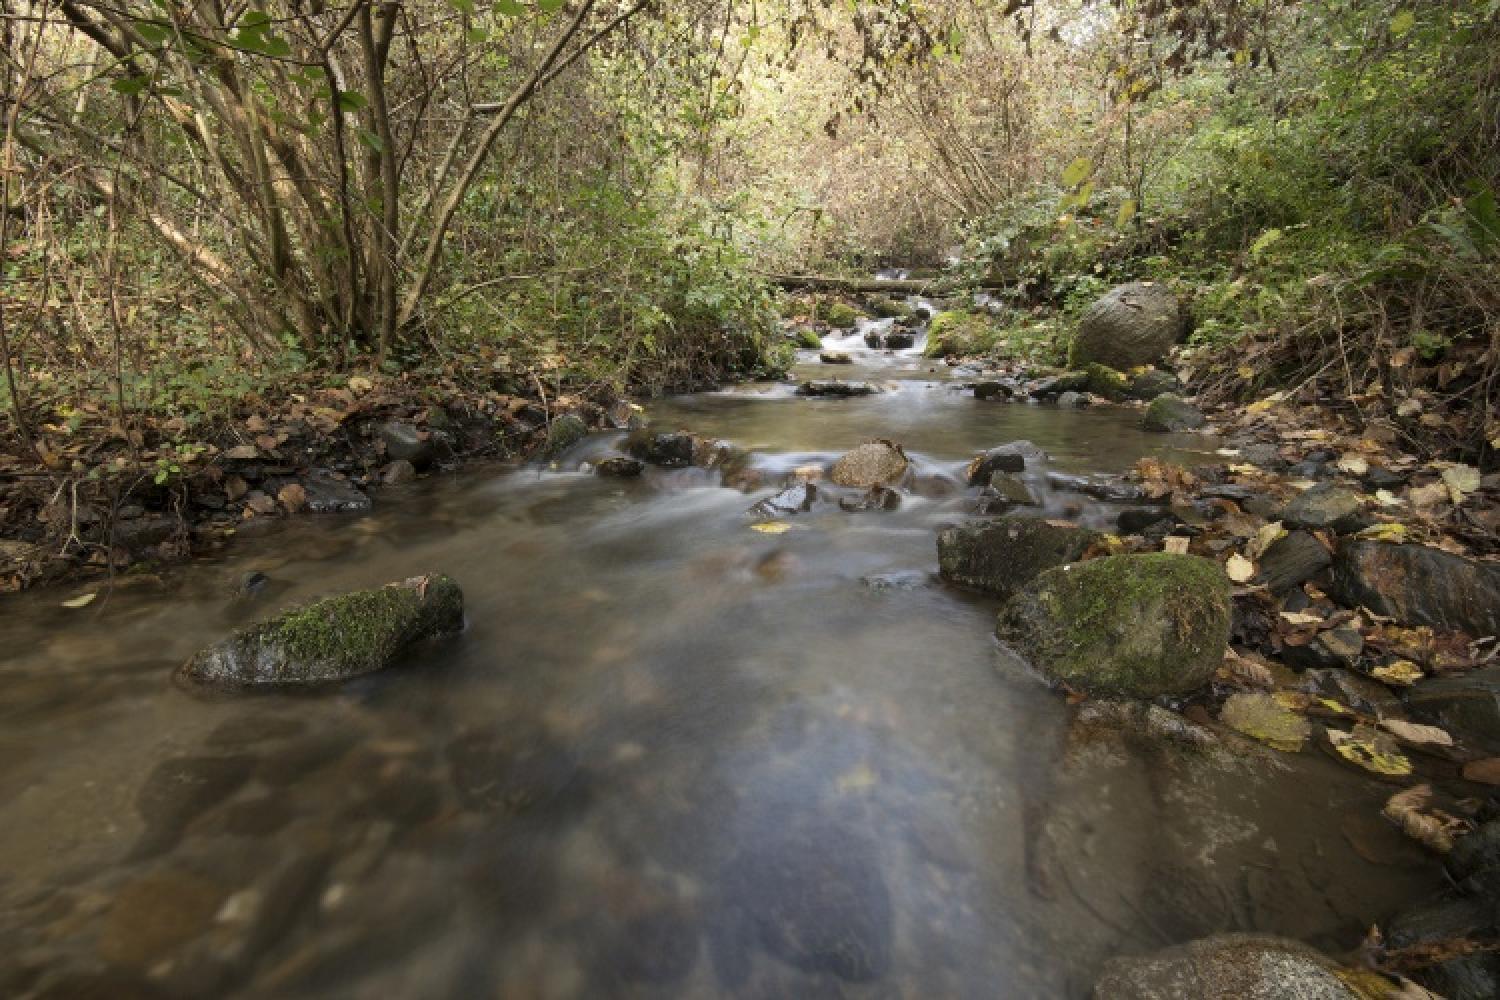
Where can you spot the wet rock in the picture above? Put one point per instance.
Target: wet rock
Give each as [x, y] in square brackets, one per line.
[1446, 920]
[873, 463]
[815, 895]
[620, 467]
[1071, 400]
[1141, 521]
[1418, 585]
[1464, 704]
[1129, 326]
[1474, 862]
[1152, 382]
[1225, 967]
[889, 340]
[671, 449]
[909, 580]
[1001, 556]
[1352, 689]
[398, 473]
[328, 493]
[179, 790]
[1171, 413]
[795, 499]
[1144, 723]
[992, 390]
[835, 389]
[835, 358]
[156, 914]
[1105, 382]
[516, 769]
[1324, 506]
[1012, 490]
[1291, 560]
[405, 443]
[1265, 456]
[143, 532]
[1135, 625]
[1010, 457]
[563, 433]
[252, 584]
[1099, 487]
[333, 639]
[1338, 647]
[658, 947]
[875, 498]
[623, 415]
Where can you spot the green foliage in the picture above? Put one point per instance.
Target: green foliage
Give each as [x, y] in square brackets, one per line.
[839, 315]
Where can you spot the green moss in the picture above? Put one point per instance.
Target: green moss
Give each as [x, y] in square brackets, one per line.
[955, 334]
[840, 315]
[886, 307]
[1170, 412]
[808, 338]
[1141, 625]
[1105, 381]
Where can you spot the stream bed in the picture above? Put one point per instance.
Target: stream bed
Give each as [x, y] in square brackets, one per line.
[669, 756]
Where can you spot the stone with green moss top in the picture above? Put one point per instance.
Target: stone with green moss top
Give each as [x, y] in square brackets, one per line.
[956, 334]
[1105, 381]
[807, 338]
[563, 433]
[335, 638]
[840, 315]
[1001, 556]
[1170, 413]
[1136, 625]
[886, 307]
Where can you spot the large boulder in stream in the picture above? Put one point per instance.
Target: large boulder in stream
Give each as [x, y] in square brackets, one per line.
[1001, 556]
[335, 638]
[1129, 326]
[1139, 625]
[1229, 967]
[1171, 413]
[1419, 585]
[874, 463]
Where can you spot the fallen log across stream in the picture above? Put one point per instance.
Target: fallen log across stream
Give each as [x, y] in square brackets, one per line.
[904, 286]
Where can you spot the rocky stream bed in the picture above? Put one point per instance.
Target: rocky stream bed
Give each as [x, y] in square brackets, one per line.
[904, 677]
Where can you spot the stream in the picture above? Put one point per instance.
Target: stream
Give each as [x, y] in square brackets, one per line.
[670, 755]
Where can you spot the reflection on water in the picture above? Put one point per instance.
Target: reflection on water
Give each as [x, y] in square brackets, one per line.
[669, 757]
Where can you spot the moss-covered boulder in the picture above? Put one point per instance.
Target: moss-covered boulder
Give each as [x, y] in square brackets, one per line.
[335, 638]
[806, 337]
[1169, 412]
[887, 308]
[1105, 381]
[1136, 625]
[1129, 326]
[955, 334]
[563, 433]
[1146, 384]
[1001, 556]
[839, 315]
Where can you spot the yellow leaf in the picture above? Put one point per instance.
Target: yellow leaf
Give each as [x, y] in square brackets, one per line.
[1257, 714]
[1402, 673]
[1386, 532]
[857, 779]
[82, 601]
[1127, 212]
[771, 527]
[1370, 749]
[1264, 538]
[358, 383]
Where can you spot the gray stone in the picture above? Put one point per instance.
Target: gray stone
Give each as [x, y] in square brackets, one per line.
[1012, 489]
[1129, 326]
[835, 389]
[1070, 400]
[873, 463]
[1001, 556]
[1467, 705]
[672, 449]
[331, 494]
[835, 358]
[1324, 506]
[1418, 585]
[1225, 967]
[619, 467]
[398, 472]
[1010, 457]
[564, 432]
[1291, 560]
[795, 499]
[405, 443]
[333, 639]
[1151, 383]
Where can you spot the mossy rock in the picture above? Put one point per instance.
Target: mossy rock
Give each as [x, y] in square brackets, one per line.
[887, 308]
[335, 638]
[956, 334]
[1147, 384]
[1105, 381]
[1129, 326]
[1001, 556]
[839, 315]
[563, 433]
[1169, 413]
[807, 338]
[1136, 625]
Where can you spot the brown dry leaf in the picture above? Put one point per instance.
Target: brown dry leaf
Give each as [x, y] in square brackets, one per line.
[1176, 544]
[260, 503]
[1301, 618]
[269, 442]
[1484, 772]
[1427, 497]
[1246, 671]
[1402, 673]
[293, 497]
[243, 453]
[1411, 732]
[257, 425]
[1433, 828]
[1461, 480]
[235, 487]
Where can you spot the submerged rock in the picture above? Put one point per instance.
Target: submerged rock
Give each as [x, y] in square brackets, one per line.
[672, 449]
[619, 467]
[1226, 967]
[404, 442]
[1012, 490]
[874, 463]
[1002, 555]
[1129, 326]
[335, 638]
[1172, 413]
[993, 390]
[1418, 585]
[835, 389]
[1138, 625]
[835, 358]
[1467, 704]
[875, 498]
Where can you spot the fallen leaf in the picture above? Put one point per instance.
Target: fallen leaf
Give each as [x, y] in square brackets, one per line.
[1247, 671]
[1259, 715]
[1411, 732]
[358, 383]
[1486, 771]
[771, 527]
[1410, 811]
[1240, 569]
[1402, 673]
[243, 452]
[1389, 531]
[81, 601]
[1461, 480]
[1176, 544]
[1353, 464]
[1301, 618]
[257, 425]
[293, 497]
[1372, 750]
[260, 503]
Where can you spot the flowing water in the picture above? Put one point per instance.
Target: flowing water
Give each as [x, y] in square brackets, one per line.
[670, 755]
